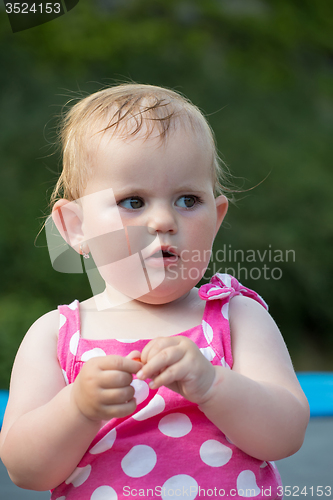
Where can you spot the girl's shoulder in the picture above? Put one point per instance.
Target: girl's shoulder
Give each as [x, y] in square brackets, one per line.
[46, 325]
[41, 338]
[49, 324]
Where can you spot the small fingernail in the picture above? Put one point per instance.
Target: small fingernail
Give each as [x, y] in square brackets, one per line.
[139, 374]
[152, 384]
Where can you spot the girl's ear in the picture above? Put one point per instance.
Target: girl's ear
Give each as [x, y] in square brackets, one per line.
[68, 218]
[221, 210]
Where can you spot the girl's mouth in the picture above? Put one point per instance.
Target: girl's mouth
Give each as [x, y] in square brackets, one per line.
[162, 258]
[166, 254]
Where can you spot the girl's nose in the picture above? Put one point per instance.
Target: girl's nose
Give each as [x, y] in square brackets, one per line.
[162, 219]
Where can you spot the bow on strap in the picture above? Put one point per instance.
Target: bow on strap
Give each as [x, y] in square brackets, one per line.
[225, 285]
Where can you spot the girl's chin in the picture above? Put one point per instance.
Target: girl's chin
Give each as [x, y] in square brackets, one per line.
[167, 291]
[160, 299]
[152, 286]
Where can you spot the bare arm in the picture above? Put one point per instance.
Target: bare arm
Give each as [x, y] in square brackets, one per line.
[48, 426]
[259, 404]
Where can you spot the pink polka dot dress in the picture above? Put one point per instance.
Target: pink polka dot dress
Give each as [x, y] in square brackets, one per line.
[167, 448]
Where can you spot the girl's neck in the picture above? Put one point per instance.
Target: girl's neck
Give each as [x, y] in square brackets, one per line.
[111, 298]
[136, 319]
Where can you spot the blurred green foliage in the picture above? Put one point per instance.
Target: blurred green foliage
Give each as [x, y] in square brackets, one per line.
[262, 71]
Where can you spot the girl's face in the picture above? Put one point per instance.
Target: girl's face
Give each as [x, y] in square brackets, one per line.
[165, 192]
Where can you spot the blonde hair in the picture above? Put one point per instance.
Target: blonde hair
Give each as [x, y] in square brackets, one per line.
[125, 109]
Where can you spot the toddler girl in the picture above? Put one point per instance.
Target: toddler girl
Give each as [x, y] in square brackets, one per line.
[152, 387]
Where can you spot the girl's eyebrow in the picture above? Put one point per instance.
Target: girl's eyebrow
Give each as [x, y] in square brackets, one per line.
[131, 190]
[190, 188]
[144, 194]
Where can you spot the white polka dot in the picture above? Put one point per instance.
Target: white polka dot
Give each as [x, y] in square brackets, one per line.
[141, 389]
[79, 476]
[263, 465]
[93, 353]
[104, 493]
[105, 443]
[62, 321]
[139, 461]
[214, 453]
[65, 376]
[246, 484]
[208, 331]
[175, 425]
[61, 498]
[181, 486]
[74, 342]
[208, 352]
[127, 341]
[225, 311]
[214, 289]
[74, 305]
[273, 463]
[154, 407]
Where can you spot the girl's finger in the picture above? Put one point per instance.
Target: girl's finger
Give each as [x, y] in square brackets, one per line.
[155, 346]
[135, 355]
[112, 379]
[117, 396]
[171, 374]
[119, 410]
[160, 361]
[120, 363]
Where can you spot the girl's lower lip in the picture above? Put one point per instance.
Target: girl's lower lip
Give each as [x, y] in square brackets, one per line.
[161, 261]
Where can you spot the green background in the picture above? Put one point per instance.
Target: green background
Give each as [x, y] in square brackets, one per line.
[262, 71]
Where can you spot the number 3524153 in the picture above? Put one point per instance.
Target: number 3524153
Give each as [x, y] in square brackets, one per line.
[299, 491]
[35, 8]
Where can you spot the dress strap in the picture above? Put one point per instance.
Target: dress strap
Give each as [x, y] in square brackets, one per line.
[68, 338]
[215, 323]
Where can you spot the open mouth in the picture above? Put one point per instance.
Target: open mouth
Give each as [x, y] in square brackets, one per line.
[164, 253]
[163, 256]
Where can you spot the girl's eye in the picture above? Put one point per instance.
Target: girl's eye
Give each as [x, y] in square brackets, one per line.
[132, 203]
[187, 201]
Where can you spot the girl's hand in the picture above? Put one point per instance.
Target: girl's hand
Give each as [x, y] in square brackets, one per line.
[102, 389]
[177, 363]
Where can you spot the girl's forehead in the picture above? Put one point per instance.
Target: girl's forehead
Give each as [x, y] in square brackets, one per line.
[113, 157]
[144, 162]
[146, 152]
[149, 139]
